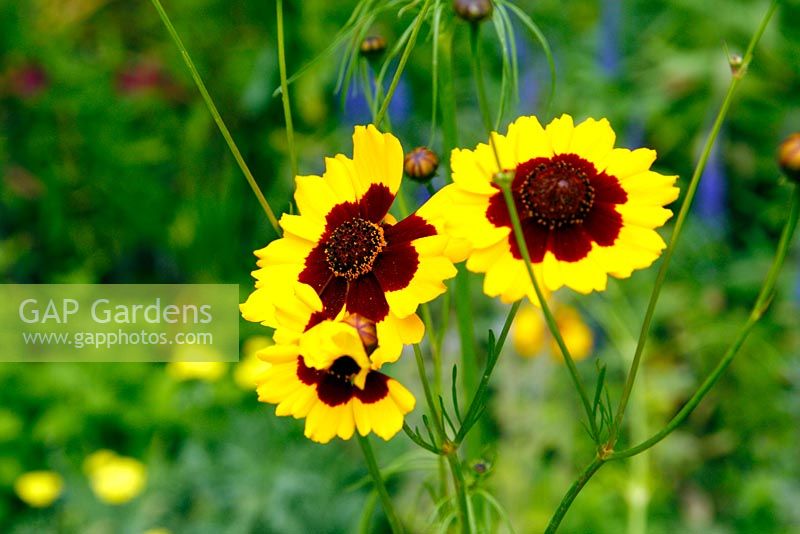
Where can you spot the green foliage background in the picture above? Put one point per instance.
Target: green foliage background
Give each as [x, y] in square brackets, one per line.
[104, 182]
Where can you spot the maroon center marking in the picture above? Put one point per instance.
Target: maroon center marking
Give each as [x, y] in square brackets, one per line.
[335, 384]
[555, 193]
[565, 206]
[352, 248]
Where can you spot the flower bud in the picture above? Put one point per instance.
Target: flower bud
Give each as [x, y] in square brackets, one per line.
[789, 157]
[473, 10]
[366, 331]
[735, 61]
[372, 46]
[420, 164]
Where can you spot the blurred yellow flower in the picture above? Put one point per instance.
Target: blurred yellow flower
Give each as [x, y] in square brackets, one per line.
[159, 530]
[39, 488]
[115, 479]
[208, 371]
[251, 369]
[530, 332]
[196, 362]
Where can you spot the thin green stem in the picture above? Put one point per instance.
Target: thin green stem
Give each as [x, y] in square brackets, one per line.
[427, 319]
[548, 315]
[412, 40]
[464, 509]
[479, 398]
[433, 407]
[551, 323]
[374, 470]
[216, 116]
[287, 110]
[679, 223]
[760, 306]
[435, 411]
[469, 353]
[573, 492]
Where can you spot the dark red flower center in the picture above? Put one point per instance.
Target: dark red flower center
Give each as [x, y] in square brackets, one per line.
[360, 257]
[352, 248]
[566, 206]
[556, 193]
[335, 384]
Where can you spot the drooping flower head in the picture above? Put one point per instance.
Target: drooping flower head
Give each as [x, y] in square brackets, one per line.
[587, 209]
[329, 374]
[346, 246]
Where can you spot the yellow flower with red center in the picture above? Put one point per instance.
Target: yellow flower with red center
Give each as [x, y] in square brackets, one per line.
[587, 209]
[328, 374]
[346, 246]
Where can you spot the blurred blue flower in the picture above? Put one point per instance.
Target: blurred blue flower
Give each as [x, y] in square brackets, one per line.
[712, 192]
[356, 109]
[609, 36]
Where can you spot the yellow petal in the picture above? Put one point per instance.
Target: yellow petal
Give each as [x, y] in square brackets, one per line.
[342, 178]
[314, 197]
[472, 170]
[593, 140]
[560, 133]
[403, 398]
[378, 158]
[302, 226]
[622, 162]
[528, 140]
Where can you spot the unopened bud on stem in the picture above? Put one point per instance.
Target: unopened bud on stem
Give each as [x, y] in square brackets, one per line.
[789, 157]
[473, 10]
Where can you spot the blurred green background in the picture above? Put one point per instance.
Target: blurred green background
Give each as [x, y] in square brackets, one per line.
[112, 171]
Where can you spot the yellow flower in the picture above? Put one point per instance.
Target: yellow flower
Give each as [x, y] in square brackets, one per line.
[115, 479]
[531, 334]
[588, 210]
[251, 369]
[345, 245]
[207, 371]
[39, 489]
[157, 530]
[329, 374]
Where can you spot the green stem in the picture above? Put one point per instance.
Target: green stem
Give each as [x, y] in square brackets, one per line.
[679, 223]
[386, 500]
[464, 509]
[287, 110]
[548, 315]
[762, 303]
[469, 353]
[760, 306]
[217, 118]
[433, 406]
[412, 40]
[551, 323]
[573, 492]
[478, 400]
[427, 319]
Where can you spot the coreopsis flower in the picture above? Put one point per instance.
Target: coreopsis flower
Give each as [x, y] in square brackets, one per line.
[115, 479]
[39, 489]
[329, 374]
[587, 209]
[531, 336]
[346, 246]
